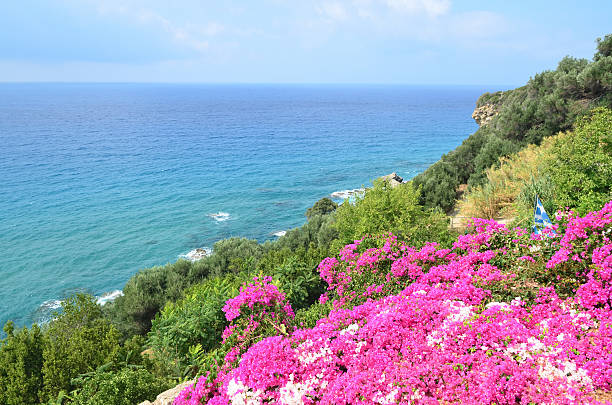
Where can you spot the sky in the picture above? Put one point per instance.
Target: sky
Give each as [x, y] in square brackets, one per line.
[420, 42]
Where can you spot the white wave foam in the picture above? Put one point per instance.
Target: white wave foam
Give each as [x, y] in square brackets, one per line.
[220, 216]
[45, 311]
[280, 233]
[108, 297]
[51, 305]
[344, 194]
[197, 254]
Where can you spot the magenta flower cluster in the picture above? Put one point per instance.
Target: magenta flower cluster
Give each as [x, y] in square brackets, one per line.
[260, 293]
[424, 330]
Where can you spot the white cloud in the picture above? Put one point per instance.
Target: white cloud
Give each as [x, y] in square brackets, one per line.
[194, 36]
[178, 33]
[426, 21]
[334, 11]
[433, 8]
[342, 10]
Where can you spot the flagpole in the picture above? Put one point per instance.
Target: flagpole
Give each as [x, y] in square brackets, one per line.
[535, 207]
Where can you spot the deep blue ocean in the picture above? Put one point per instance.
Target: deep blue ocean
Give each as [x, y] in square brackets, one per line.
[98, 181]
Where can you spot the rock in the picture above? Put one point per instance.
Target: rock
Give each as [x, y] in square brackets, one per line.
[393, 179]
[167, 397]
[483, 114]
[197, 254]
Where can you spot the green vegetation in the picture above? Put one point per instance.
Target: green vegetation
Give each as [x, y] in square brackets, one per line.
[127, 386]
[572, 169]
[552, 137]
[21, 359]
[322, 207]
[581, 167]
[549, 103]
[192, 324]
[390, 209]
[78, 341]
[77, 356]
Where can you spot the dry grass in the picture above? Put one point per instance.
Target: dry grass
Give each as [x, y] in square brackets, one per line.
[498, 197]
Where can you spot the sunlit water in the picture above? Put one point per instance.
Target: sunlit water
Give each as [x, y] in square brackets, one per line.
[99, 181]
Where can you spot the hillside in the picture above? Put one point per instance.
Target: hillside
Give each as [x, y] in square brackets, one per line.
[377, 300]
[549, 103]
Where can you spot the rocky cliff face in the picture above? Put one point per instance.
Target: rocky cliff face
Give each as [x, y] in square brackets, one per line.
[483, 114]
[394, 179]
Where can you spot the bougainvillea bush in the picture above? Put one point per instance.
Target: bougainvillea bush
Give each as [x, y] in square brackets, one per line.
[481, 322]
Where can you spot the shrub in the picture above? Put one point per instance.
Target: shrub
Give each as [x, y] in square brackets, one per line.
[581, 169]
[510, 188]
[390, 209]
[127, 386]
[424, 319]
[145, 294]
[572, 169]
[322, 207]
[318, 231]
[195, 321]
[77, 341]
[21, 360]
[299, 280]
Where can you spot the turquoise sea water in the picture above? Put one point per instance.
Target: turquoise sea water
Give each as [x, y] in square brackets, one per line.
[98, 181]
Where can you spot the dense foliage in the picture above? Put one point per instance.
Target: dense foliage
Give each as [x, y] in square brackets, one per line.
[426, 325]
[547, 104]
[572, 169]
[76, 357]
[581, 166]
[21, 359]
[384, 208]
[192, 325]
[128, 386]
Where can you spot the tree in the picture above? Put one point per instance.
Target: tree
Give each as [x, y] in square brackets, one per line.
[77, 341]
[390, 209]
[322, 207]
[21, 359]
[604, 47]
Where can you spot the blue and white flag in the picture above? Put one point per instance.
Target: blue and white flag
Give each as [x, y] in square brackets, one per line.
[540, 219]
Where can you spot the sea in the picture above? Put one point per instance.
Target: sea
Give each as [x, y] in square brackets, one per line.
[98, 181]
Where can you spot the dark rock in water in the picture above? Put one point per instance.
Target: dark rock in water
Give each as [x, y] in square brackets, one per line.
[394, 179]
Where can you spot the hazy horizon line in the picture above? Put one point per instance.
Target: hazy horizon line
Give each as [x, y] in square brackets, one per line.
[270, 83]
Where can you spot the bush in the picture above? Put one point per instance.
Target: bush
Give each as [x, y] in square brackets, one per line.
[145, 294]
[581, 169]
[510, 188]
[390, 209]
[148, 291]
[308, 317]
[127, 386]
[318, 231]
[322, 207]
[21, 359]
[299, 280]
[604, 47]
[77, 341]
[197, 320]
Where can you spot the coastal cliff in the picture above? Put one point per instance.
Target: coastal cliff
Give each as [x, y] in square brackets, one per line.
[484, 114]
[487, 107]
